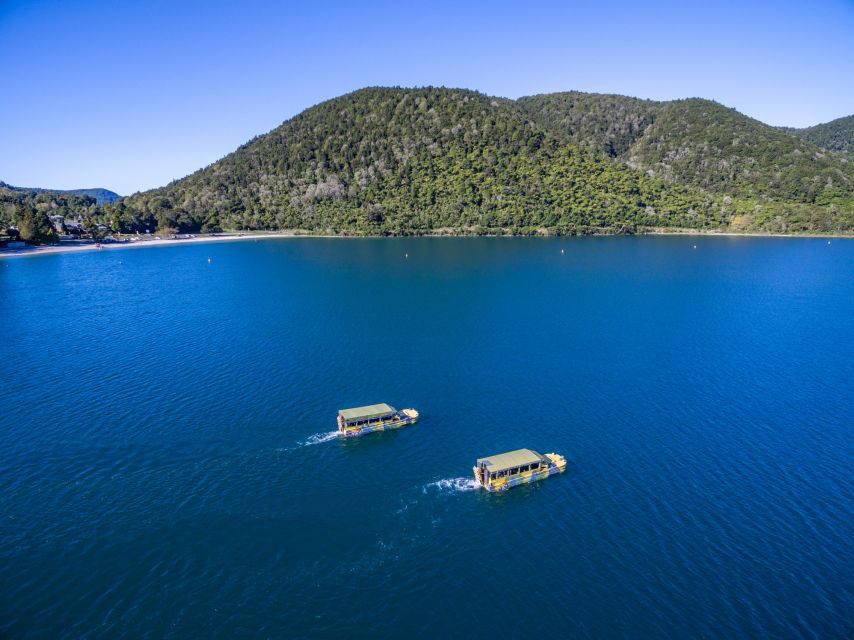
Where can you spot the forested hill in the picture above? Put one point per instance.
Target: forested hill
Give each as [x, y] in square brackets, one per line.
[415, 160]
[101, 196]
[394, 160]
[837, 135]
[698, 143]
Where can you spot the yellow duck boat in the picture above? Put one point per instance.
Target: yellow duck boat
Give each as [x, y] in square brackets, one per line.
[360, 421]
[499, 473]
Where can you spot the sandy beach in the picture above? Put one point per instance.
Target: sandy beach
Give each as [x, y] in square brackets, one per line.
[236, 237]
[110, 246]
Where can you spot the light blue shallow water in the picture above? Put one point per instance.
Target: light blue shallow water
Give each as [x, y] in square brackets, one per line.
[165, 471]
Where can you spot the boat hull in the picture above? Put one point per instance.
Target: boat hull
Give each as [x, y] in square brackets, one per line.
[557, 465]
[403, 419]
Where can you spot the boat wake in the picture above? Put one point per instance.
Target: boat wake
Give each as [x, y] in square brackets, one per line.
[319, 438]
[451, 485]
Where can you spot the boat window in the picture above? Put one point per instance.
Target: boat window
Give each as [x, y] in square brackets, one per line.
[513, 472]
[523, 469]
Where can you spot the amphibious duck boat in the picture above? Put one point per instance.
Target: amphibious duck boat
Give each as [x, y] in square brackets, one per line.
[360, 421]
[499, 473]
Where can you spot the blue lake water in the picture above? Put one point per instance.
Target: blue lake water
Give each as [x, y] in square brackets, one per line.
[167, 471]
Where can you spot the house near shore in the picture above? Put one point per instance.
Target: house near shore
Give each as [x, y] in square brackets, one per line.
[74, 228]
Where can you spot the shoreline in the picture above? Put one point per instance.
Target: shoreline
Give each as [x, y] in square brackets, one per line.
[41, 250]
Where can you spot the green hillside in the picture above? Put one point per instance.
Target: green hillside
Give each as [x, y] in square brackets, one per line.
[101, 196]
[435, 160]
[696, 142]
[774, 180]
[416, 160]
[836, 135]
[707, 145]
[608, 124]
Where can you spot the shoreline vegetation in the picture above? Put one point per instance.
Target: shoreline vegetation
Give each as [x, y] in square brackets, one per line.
[94, 245]
[434, 161]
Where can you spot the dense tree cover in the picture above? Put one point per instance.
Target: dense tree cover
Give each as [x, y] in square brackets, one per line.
[30, 211]
[609, 124]
[391, 160]
[836, 135]
[704, 144]
[395, 160]
[699, 143]
[34, 226]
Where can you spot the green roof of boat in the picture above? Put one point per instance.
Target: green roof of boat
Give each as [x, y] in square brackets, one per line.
[367, 412]
[509, 460]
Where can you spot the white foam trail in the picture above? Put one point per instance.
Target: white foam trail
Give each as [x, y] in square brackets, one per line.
[452, 485]
[319, 438]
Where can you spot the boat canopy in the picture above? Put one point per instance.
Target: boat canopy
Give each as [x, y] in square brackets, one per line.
[510, 460]
[367, 413]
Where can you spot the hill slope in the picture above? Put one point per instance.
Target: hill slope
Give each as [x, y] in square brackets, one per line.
[699, 143]
[836, 135]
[391, 160]
[397, 160]
[705, 144]
[608, 124]
[101, 196]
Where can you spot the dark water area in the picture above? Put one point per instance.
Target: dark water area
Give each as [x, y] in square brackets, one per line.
[167, 469]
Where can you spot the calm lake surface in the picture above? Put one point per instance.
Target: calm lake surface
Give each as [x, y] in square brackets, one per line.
[167, 469]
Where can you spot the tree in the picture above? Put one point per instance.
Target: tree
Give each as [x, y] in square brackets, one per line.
[34, 227]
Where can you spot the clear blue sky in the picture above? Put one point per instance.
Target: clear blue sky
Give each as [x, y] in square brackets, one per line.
[129, 96]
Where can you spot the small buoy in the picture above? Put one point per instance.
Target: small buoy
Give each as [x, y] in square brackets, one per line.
[209, 260]
[695, 246]
[406, 255]
[828, 242]
[561, 250]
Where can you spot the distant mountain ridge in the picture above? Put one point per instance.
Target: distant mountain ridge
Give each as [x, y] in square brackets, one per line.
[101, 196]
